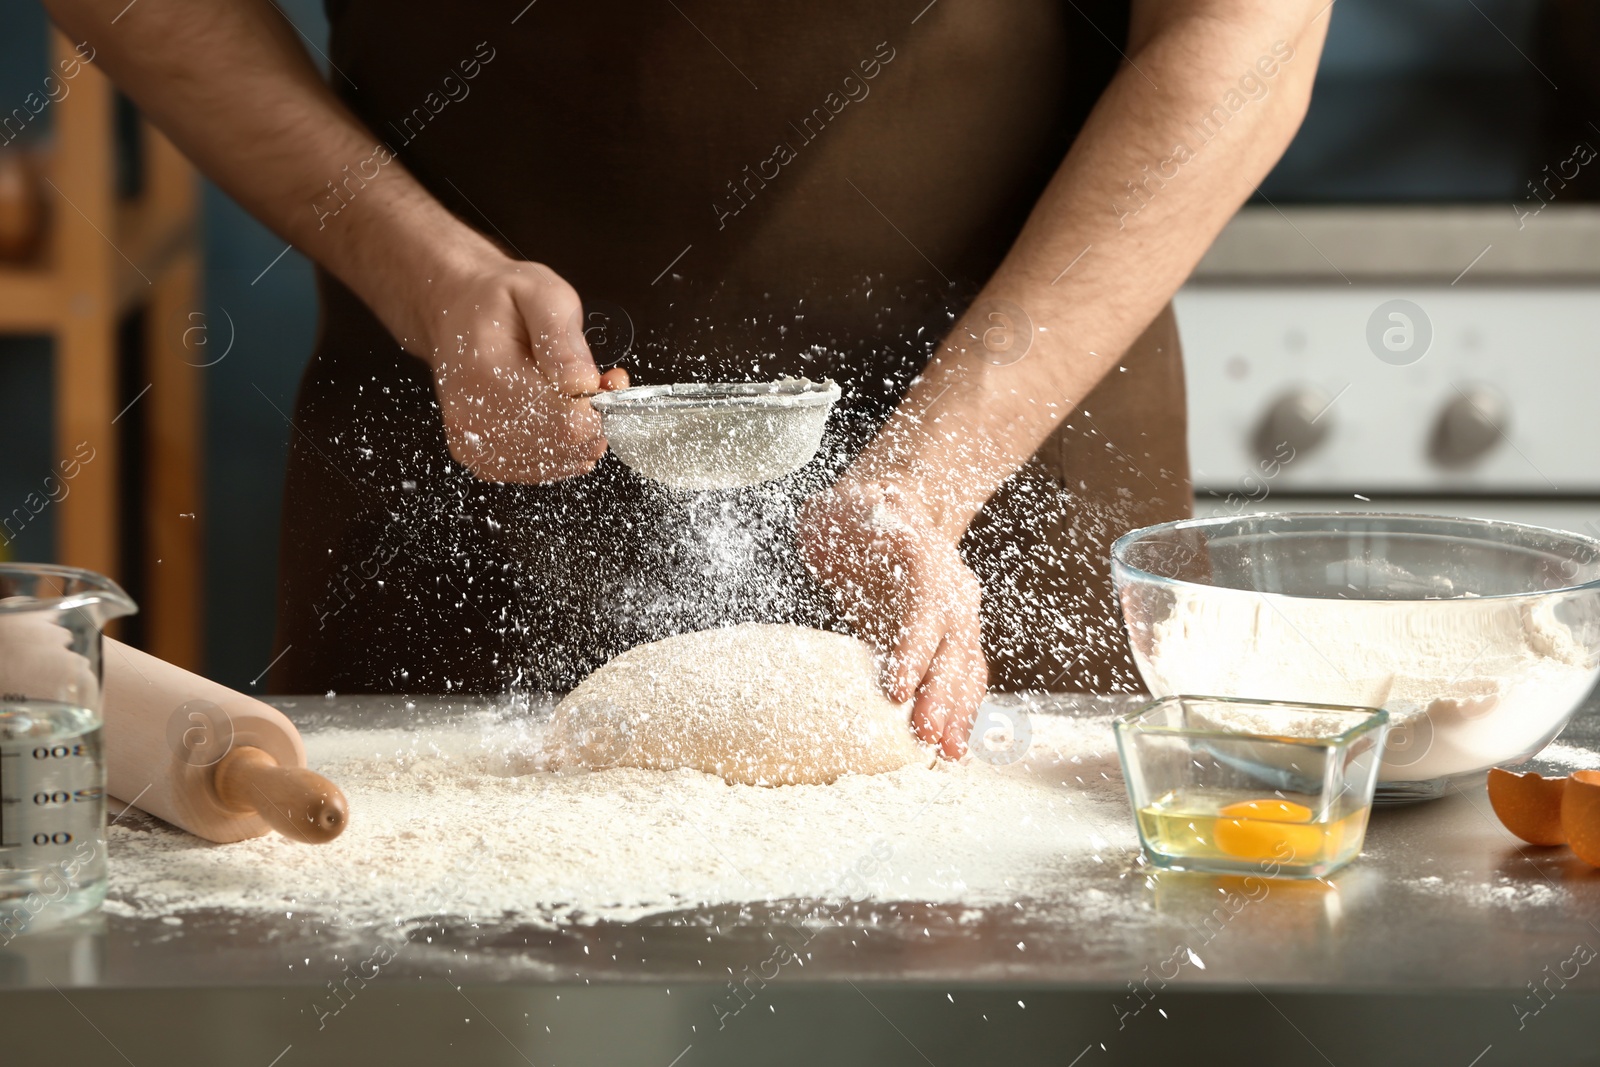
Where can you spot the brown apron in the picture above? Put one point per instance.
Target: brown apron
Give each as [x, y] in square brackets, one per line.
[736, 192]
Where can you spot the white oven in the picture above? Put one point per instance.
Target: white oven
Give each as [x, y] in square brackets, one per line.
[1407, 317]
[1416, 395]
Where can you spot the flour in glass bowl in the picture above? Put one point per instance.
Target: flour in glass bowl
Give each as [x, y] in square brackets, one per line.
[457, 819]
[1475, 681]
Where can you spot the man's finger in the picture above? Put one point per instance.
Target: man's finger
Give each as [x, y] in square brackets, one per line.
[912, 651]
[928, 716]
[952, 691]
[577, 424]
[547, 471]
[570, 369]
[560, 356]
[969, 685]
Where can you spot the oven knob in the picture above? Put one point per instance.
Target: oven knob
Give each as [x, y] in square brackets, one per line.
[1296, 423]
[1469, 426]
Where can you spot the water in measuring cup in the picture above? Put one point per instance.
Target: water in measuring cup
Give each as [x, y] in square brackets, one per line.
[52, 814]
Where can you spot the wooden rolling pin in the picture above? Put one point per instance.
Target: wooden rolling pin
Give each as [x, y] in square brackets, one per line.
[213, 761]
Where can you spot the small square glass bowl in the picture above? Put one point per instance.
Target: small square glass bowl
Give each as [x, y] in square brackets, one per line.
[1262, 787]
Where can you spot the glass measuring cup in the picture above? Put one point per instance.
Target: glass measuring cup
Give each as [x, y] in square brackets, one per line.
[52, 769]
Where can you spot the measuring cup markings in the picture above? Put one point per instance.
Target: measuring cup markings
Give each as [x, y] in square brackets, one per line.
[52, 766]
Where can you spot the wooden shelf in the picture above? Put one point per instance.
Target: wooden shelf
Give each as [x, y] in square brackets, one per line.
[104, 257]
[29, 300]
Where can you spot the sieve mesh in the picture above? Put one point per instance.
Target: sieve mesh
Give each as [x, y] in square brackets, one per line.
[717, 436]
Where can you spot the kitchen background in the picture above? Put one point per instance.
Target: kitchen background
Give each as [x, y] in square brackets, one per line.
[1404, 318]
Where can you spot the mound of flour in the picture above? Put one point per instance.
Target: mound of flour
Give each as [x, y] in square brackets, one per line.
[757, 703]
[1468, 682]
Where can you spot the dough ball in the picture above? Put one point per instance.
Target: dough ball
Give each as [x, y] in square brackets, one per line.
[759, 704]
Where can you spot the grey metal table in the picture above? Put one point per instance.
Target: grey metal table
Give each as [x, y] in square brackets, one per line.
[1448, 942]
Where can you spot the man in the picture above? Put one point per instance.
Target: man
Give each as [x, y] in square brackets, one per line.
[971, 215]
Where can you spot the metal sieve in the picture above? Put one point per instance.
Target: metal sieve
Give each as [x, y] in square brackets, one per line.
[717, 436]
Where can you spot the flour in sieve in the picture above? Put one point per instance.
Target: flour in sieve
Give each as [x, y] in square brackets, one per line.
[736, 441]
[442, 822]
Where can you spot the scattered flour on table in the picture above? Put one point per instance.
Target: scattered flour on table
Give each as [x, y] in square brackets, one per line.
[1569, 756]
[1504, 892]
[444, 821]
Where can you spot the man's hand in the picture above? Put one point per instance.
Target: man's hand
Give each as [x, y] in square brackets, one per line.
[905, 590]
[505, 341]
[1117, 230]
[233, 87]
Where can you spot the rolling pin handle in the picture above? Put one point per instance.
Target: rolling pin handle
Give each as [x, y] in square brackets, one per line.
[299, 804]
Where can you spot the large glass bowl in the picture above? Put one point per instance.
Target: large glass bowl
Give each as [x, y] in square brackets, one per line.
[1479, 638]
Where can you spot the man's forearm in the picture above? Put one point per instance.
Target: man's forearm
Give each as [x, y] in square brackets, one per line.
[229, 82]
[1180, 139]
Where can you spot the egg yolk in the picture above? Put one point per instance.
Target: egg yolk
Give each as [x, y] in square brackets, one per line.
[1271, 810]
[1269, 829]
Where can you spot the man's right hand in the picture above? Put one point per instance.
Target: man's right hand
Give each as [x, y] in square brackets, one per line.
[234, 88]
[510, 365]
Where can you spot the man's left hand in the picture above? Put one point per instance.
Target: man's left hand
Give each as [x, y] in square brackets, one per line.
[904, 589]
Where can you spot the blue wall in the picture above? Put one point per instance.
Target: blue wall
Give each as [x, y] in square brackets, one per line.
[246, 440]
